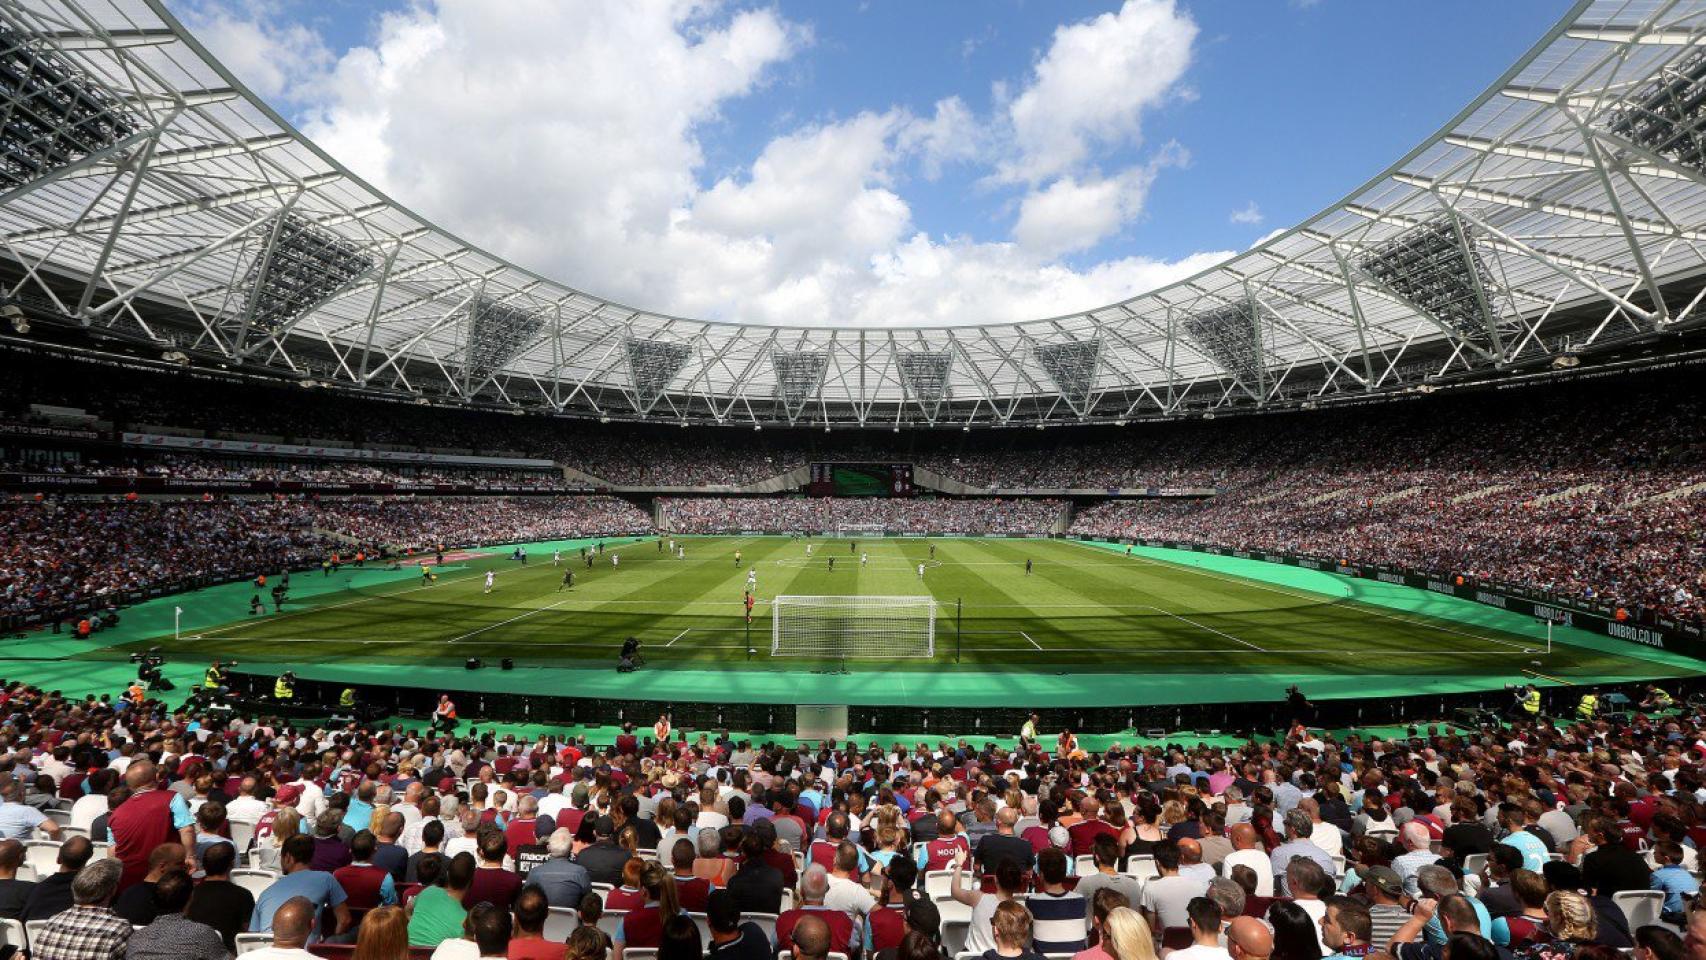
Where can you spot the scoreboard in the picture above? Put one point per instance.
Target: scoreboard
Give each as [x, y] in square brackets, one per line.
[860, 480]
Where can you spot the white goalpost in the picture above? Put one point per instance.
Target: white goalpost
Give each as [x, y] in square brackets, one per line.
[828, 628]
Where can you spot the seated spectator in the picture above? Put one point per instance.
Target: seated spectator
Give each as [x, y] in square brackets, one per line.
[732, 939]
[53, 894]
[1057, 914]
[14, 893]
[301, 880]
[171, 935]
[365, 884]
[1012, 926]
[486, 934]
[438, 911]
[219, 903]
[532, 908]
[136, 903]
[89, 928]
[680, 940]
[814, 887]
[293, 924]
[383, 935]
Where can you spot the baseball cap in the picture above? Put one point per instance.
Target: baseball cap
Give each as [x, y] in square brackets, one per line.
[603, 827]
[1384, 879]
[288, 794]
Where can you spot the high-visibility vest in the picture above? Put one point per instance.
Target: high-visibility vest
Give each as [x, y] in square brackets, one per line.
[282, 689]
[1588, 707]
[347, 698]
[213, 679]
[1531, 700]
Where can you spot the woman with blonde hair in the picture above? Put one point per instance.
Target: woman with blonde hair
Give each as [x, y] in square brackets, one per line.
[1126, 935]
[286, 824]
[1570, 925]
[384, 935]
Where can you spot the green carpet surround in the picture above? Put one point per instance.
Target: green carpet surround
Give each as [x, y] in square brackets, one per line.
[1092, 625]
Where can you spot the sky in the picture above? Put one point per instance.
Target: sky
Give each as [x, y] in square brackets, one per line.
[867, 162]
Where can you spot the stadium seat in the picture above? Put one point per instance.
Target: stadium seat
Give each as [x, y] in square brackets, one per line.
[27, 873]
[954, 933]
[12, 934]
[765, 921]
[43, 855]
[603, 891]
[640, 953]
[703, 922]
[1475, 864]
[610, 921]
[61, 817]
[1175, 938]
[254, 881]
[938, 884]
[1338, 864]
[33, 929]
[788, 902]
[250, 942]
[242, 834]
[1641, 907]
[789, 955]
[66, 833]
[1084, 864]
[101, 852]
[1142, 867]
[561, 922]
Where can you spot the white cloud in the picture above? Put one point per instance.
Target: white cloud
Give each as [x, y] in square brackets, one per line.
[274, 59]
[1093, 85]
[1071, 214]
[566, 135]
[1249, 213]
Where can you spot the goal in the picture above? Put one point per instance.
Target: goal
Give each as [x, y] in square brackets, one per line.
[868, 627]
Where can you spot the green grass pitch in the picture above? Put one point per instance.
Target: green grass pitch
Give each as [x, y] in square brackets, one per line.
[1081, 609]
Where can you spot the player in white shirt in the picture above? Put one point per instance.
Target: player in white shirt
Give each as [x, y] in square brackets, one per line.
[921, 571]
[752, 576]
[808, 549]
[556, 558]
[681, 553]
[863, 558]
[491, 578]
[615, 559]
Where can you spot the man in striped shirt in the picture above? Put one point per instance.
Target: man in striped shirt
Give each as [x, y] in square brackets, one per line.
[1057, 913]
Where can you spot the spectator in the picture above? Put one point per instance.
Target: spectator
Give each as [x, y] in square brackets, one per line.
[1012, 926]
[300, 880]
[89, 930]
[219, 903]
[384, 935]
[292, 926]
[14, 893]
[563, 881]
[438, 912]
[137, 903]
[732, 939]
[54, 894]
[1057, 914]
[171, 935]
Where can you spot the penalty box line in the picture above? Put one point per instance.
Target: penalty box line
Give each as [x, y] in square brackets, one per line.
[1319, 599]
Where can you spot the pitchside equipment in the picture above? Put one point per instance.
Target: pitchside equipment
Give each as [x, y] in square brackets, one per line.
[871, 628]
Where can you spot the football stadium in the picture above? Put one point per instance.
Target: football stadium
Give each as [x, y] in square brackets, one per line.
[650, 481]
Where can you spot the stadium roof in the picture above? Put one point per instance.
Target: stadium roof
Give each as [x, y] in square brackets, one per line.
[146, 195]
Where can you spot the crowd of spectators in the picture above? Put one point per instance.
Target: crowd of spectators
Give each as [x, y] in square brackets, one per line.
[908, 515]
[58, 556]
[190, 467]
[1547, 839]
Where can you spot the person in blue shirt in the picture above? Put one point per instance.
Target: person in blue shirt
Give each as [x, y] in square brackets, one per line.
[1515, 819]
[1678, 884]
[317, 887]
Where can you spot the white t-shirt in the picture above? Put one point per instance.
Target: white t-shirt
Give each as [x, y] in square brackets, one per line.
[1167, 898]
[1197, 951]
[1256, 860]
[457, 949]
[1316, 910]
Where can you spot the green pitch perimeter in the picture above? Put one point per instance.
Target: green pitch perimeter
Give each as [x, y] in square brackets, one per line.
[1091, 625]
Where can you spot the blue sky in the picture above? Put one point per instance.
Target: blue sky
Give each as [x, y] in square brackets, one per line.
[798, 187]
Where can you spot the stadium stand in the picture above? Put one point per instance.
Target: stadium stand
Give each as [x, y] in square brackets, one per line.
[1562, 834]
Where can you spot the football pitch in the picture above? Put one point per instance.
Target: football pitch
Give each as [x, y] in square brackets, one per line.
[1081, 608]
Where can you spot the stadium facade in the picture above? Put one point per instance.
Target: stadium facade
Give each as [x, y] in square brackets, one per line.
[150, 201]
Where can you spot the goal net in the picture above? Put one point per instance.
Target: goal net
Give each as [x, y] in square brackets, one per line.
[859, 530]
[867, 627]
